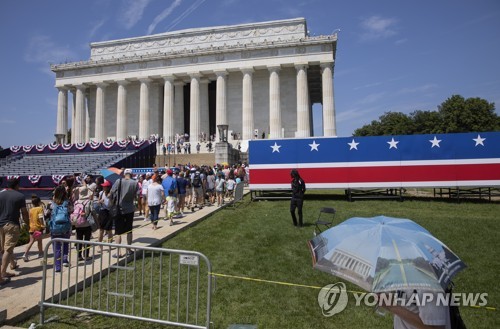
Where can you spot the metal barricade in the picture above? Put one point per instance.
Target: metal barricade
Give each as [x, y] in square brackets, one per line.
[239, 192]
[149, 284]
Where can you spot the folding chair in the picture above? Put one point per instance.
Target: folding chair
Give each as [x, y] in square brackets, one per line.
[324, 218]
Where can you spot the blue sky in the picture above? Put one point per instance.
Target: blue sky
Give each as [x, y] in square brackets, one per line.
[392, 55]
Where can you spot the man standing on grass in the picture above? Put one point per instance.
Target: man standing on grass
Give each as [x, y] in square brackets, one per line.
[12, 203]
[128, 188]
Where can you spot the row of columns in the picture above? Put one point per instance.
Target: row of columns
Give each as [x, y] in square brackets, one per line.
[173, 105]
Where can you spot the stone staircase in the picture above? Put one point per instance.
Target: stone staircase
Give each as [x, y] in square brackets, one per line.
[198, 159]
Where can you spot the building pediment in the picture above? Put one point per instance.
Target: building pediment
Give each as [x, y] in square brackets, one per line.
[201, 38]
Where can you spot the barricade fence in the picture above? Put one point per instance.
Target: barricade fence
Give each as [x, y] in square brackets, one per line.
[239, 192]
[165, 286]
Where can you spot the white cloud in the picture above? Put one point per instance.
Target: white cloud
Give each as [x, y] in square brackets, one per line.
[164, 14]
[376, 27]
[95, 27]
[186, 13]
[401, 41]
[132, 12]
[419, 89]
[43, 50]
[370, 98]
[7, 122]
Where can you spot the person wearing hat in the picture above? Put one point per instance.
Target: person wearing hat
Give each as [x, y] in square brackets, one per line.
[105, 220]
[127, 188]
[298, 190]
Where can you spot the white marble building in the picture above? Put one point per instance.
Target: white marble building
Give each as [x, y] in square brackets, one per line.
[263, 76]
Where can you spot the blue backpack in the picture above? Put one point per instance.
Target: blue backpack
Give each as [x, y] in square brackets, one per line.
[60, 222]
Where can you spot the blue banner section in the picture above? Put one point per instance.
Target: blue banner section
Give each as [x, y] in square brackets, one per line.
[464, 146]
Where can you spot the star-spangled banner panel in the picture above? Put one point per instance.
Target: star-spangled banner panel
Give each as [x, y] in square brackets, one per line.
[468, 159]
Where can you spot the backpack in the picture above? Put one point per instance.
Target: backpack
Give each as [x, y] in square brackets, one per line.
[197, 180]
[60, 222]
[78, 215]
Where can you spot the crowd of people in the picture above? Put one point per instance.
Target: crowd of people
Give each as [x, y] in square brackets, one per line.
[87, 206]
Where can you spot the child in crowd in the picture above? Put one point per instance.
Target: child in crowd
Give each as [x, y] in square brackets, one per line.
[36, 226]
[220, 185]
[230, 184]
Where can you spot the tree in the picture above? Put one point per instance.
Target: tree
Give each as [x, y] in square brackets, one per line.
[455, 115]
[390, 123]
[426, 122]
[467, 115]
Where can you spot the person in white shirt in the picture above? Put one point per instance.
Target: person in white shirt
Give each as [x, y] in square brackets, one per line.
[424, 316]
[145, 183]
[230, 184]
[156, 196]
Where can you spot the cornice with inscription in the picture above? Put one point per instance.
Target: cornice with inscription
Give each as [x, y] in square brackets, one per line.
[205, 55]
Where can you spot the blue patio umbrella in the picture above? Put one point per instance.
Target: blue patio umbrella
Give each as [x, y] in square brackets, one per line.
[112, 174]
[382, 254]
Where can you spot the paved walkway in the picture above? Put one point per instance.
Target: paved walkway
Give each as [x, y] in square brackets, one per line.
[20, 297]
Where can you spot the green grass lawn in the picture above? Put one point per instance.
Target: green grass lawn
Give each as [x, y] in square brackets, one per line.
[258, 240]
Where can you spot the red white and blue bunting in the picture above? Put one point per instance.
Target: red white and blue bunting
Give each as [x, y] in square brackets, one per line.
[122, 143]
[138, 144]
[66, 147]
[53, 146]
[57, 179]
[40, 147]
[94, 145]
[80, 146]
[9, 177]
[107, 144]
[34, 179]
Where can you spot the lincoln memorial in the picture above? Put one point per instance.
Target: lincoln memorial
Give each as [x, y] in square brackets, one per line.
[256, 78]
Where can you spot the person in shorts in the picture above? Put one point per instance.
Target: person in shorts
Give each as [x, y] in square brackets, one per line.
[36, 227]
[12, 204]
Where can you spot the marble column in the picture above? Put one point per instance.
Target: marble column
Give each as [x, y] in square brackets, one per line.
[221, 101]
[168, 110]
[121, 111]
[87, 116]
[329, 126]
[194, 110]
[144, 109]
[274, 103]
[178, 109]
[73, 113]
[303, 119]
[62, 115]
[79, 129]
[247, 115]
[100, 132]
[204, 108]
